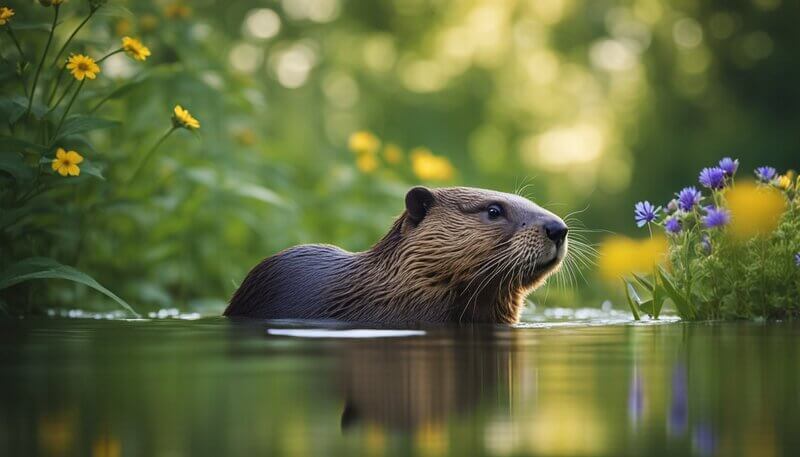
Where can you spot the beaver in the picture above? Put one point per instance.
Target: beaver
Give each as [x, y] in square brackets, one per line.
[455, 254]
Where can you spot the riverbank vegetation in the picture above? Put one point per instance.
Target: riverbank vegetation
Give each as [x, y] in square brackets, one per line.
[152, 151]
[733, 248]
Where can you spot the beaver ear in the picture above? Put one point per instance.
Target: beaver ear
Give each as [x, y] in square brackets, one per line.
[418, 202]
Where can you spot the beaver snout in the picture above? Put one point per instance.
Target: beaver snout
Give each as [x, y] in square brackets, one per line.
[556, 230]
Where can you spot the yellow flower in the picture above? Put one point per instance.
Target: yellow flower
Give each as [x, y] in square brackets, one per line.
[393, 154]
[755, 210]
[177, 10]
[183, 118]
[784, 182]
[620, 256]
[82, 67]
[363, 142]
[66, 163]
[430, 167]
[135, 48]
[367, 163]
[5, 14]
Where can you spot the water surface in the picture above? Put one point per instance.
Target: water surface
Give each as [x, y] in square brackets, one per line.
[564, 383]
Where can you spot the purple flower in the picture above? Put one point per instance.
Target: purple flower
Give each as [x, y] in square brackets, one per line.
[765, 174]
[645, 213]
[716, 217]
[797, 259]
[688, 198]
[713, 178]
[672, 225]
[729, 166]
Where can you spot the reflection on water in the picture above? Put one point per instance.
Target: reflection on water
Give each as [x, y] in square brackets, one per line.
[215, 387]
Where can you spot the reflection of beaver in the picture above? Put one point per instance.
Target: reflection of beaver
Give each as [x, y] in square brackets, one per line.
[455, 254]
[406, 383]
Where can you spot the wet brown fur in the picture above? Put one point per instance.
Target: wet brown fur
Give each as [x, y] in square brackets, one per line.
[450, 265]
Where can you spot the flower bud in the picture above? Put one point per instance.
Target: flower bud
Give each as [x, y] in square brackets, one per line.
[672, 206]
[95, 4]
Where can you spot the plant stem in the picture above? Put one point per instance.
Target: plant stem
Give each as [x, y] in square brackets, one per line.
[16, 43]
[66, 91]
[44, 56]
[66, 111]
[110, 54]
[55, 86]
[149, 153]
[101, 102]
[74, 32]
[687, 272]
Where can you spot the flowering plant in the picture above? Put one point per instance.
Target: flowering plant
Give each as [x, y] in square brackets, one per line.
[732, 248]
[46, 145]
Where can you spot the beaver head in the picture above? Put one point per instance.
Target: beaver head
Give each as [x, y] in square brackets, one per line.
[462, 254]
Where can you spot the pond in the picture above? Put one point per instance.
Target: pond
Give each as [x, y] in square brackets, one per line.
[563, 383]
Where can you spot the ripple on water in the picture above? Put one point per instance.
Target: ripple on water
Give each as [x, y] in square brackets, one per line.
[584, 317]
[353, 333]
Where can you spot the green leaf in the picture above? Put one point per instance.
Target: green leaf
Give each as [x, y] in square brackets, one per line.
[257, 192]
[92, 169]
[114, 10]
[634, 307]
[47, 268]
[9, 217]
[14, 164]
[128, 86]
[658, 296]
[11, 109]
[80, 124]
[11, 144]
[647, 307]
[644, 282]
[685, 308]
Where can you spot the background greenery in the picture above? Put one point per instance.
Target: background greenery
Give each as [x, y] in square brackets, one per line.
[588, 105]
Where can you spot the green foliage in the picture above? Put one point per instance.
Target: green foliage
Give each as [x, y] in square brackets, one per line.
[44, 268]
[485, 85]
[758, 278]
[719, 273]
[47, 193]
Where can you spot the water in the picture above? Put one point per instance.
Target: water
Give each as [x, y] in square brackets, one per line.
[565, 383]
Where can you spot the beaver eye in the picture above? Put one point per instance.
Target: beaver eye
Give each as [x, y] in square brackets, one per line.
[494, 211]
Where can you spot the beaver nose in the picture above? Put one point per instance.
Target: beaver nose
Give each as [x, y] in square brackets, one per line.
[556, 231]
